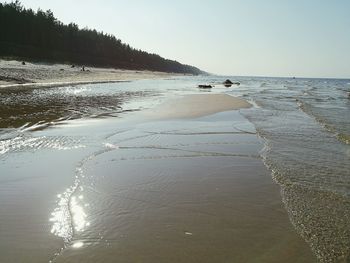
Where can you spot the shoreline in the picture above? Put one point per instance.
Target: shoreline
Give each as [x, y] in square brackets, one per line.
[14, 75]
[191, 186]
[56, 84]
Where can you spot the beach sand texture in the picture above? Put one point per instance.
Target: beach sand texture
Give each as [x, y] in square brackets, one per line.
[197, 105]
[14, 74]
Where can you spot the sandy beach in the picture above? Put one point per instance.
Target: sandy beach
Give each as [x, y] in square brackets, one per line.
[181, 181]
[173, 131]
[13, 74]
[193, 106]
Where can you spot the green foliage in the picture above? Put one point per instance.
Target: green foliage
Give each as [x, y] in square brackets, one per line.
[39, 35]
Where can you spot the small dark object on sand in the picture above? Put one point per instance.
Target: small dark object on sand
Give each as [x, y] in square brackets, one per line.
[23, 63]
[73, 66]
[61, 69]
[205, 86]
[83, 68]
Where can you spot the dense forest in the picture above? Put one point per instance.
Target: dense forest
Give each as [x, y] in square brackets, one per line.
[38, 35]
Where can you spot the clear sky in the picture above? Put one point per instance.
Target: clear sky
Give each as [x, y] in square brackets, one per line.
[308, 38]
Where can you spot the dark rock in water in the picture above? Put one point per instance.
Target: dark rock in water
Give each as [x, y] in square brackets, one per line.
[23, 63]
[228, 83]
[205, 86]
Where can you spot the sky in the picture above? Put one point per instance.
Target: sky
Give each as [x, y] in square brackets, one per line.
[282, 38]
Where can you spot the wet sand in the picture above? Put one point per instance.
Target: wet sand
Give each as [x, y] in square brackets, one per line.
[179, 189]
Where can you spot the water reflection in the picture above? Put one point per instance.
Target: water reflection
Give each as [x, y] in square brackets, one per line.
[61, 217]
[69, 216]
[78, 244]
[46, 106]
[78, 214]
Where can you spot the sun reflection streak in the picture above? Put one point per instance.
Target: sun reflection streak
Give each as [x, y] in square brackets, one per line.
[78, 244]
[61, 217]
[69, 215]
[78, 214]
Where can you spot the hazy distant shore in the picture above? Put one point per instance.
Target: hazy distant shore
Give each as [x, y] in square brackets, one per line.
[14, 74]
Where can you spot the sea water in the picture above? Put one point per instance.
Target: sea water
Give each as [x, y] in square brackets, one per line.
[306, 127]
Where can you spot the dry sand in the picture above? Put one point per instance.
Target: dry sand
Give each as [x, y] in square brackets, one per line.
[197, 105]
[14, 74]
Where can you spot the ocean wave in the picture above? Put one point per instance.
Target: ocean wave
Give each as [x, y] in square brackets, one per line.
[324, 122]
[308, 158]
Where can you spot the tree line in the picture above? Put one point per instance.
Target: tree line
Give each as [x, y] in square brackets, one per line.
[38, 35]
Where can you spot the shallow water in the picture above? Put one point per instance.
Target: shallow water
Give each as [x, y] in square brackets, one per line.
[306, 125]
[110, 172]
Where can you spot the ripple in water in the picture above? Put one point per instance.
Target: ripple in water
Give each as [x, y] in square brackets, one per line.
[309, 159]
[27, 142]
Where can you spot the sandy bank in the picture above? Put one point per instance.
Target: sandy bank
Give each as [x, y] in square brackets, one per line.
[197, 105]
[13, 74]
